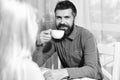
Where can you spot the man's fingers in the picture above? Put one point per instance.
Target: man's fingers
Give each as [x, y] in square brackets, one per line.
[48, 76]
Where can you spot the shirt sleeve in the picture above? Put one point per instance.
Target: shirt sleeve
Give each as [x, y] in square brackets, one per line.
[90, 68]
[43, 53]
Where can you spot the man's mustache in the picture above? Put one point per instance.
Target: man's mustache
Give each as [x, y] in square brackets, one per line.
[62, 25]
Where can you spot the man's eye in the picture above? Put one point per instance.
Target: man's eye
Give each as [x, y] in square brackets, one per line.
[58, 17]
[67, 17]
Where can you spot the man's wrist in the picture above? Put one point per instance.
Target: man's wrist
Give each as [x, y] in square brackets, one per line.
[38, 43]
[65, 74]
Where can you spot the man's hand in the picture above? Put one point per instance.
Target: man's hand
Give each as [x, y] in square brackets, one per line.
[45, 36]
[43, 70]
[57, 74]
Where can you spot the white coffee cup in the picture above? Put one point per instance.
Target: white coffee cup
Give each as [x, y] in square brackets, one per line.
[57, 34]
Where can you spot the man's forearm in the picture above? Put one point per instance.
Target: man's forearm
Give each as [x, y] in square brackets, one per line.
[82, 72]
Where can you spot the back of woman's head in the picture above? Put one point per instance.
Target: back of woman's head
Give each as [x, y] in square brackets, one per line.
[18, 31]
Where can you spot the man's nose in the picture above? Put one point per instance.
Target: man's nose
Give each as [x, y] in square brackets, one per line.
[62, 21]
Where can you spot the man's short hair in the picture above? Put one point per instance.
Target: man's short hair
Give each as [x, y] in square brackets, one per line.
[61, 5]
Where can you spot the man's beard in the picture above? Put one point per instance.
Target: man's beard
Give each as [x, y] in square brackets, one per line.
[68, 30]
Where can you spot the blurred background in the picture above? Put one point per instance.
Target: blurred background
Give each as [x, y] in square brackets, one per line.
[102, 17]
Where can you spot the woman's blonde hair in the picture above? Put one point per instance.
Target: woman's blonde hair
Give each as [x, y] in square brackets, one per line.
[18, 31]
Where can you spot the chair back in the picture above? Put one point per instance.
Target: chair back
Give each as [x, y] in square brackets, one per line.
[110, 60]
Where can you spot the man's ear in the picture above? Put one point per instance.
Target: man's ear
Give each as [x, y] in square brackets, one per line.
[74, 15]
